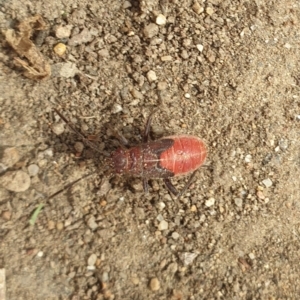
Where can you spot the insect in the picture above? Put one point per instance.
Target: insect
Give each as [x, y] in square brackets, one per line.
[164, 158]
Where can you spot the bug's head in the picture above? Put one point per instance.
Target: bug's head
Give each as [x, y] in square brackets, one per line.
[119, 161]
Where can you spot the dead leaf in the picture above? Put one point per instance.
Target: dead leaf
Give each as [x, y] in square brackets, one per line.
[36, 67]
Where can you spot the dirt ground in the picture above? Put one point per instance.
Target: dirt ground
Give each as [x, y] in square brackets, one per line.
[226, 71]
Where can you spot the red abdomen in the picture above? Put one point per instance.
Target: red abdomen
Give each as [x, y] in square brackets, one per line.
[186, 155]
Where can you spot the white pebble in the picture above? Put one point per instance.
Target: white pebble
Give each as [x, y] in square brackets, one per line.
[251, 256]
[187, 96]
[197, 8]
[58, 128]
[161, 20]
[151, 75]
[92, 259]
[49, 152]
[116, 108]
[267, 182]
[200, 47]
[159, 218]
[238, 202]
[33, 169]
[248, 158]
[40, 254]
[209, 11]
[175, 235]
[210, 202]
[63, 32]
[163, 225]
[161, 205]
[188, 257]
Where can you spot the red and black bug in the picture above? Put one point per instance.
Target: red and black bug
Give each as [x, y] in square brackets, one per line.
[164, 158]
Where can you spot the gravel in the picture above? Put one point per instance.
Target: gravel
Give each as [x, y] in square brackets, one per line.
[154, 284]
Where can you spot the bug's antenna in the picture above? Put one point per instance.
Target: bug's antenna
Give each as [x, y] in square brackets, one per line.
[67, 186]
[85, 140]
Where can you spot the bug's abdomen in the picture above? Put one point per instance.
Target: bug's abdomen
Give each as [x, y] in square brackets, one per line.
[164, 158]
[186, 155]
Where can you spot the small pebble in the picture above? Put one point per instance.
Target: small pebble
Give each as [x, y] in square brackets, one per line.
[126, 4]
[60, 226]
[49, 152]
[238, 202]
[161, 205]
[63, 32]
[187, 96]
[33, 170]
[210, 202]
[154, 284]
[60, 49]
[197, 8]
[251, 256]
[193, 208]
[267, 182]
[151, 75]
[92, 223]
[10, 157]
[161, 20]
[40, 254]
[64, 69]
[188, 257]
[159, 217]
[15, 181]
[85, 36]
[51, 225]
[184, 54]
[135, 280]
[248, 158]
[200, 47]
[209, 11]
[163, 225]
[92, 259]
[162, 85]
[151, 30]
[283, 144]
[78, 146]
[116, 108]
[137, 94]
[104, 277]
[103, 53]
[260, 194]
[166, 58]
[58, 128]
[175, 235]
[6, 215]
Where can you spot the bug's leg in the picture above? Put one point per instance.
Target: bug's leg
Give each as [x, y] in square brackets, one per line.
[122, 139]
[145, 185]
[171, 188]
[187, 185]
[146, 135]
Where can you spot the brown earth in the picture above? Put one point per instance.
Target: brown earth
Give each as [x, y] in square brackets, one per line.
[228, 72]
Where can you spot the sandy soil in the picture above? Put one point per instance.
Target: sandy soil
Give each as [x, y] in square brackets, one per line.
[226, 71]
